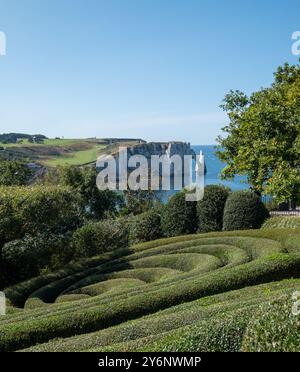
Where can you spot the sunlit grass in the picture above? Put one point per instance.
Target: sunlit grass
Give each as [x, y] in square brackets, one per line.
[76, 158]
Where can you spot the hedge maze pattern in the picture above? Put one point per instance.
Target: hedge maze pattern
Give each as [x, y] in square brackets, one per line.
[188, 293]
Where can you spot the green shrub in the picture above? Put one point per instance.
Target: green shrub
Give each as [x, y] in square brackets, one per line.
[139, 201]
[96, 238]
[210, 209]
[274, 328]
[10, 224]
[145, 227]
[31, 210]
[39, 208]
[244, 210]
[26, 257]
[179, 216]
[282, 222]
[14, 173]
[98, 203]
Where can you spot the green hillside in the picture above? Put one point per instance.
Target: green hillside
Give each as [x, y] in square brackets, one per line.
[53, 152]
[188, 293]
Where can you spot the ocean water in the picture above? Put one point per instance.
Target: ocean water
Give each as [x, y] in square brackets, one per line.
[214, 167]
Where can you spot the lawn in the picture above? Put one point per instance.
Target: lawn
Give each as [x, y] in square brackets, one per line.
[76, 158]
[53, 152]
[48, 142]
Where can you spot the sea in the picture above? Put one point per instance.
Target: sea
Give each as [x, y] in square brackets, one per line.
[214, 167]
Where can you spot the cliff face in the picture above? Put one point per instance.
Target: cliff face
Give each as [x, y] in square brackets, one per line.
[167, 149]
[161, 148]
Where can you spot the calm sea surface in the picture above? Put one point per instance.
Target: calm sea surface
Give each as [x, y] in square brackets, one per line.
[214, 167]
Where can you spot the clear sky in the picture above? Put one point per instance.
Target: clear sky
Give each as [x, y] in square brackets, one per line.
[156, 69]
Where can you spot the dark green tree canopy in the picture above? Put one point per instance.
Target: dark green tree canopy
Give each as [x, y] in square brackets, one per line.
[14, 173]
[262, 139]
[83, 180]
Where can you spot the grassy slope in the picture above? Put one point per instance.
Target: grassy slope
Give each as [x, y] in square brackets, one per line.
[180, 294]
[77, 157]
[59, 151]
[55, 152]
[48, 142]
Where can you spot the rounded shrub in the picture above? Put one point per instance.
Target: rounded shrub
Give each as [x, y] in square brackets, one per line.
[33, 210]
[38, 208]
[96, 238]
[27, 257]
[10, 226]
[179, 216]
[145, 227]
[244, 210]
[275, 328]
[211, 208]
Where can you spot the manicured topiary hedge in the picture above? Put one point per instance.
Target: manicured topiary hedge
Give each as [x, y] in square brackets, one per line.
[274, 328]
[88, 319]
[211, 208]
[179, 216]
[244, 210]
[282, 222]
[186, 326]
[192, 291]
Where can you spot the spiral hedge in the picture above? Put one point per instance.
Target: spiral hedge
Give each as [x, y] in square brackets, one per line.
[187, 293]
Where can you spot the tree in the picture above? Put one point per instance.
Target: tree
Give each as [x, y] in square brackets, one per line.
[35, 210]
[140, 201]
[145, 227]
[14, 173]
[263, 136]
[83, 180]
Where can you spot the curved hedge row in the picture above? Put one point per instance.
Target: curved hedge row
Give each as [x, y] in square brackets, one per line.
[176, 282]
[282, 222]
[187, 319]
[275, 328]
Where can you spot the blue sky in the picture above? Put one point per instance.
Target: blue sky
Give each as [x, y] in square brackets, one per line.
[156, 69]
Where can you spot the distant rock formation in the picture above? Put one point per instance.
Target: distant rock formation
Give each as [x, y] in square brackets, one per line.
[162, 149]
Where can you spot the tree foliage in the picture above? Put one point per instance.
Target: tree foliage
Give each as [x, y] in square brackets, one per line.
[262, 139]
[96, 238]
[83, 180]
[36, 210]
[139, 201]
[14, 173]
[145, 227]
[28, 257]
